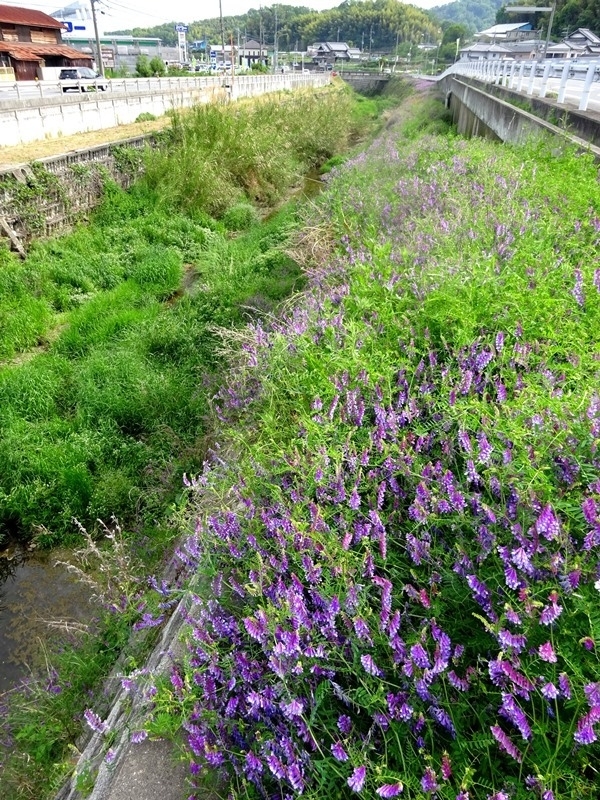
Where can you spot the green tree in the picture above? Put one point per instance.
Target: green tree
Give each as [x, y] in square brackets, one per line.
[142, 67]
[157, 67]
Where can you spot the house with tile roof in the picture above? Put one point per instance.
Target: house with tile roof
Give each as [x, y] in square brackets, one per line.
[30, 40]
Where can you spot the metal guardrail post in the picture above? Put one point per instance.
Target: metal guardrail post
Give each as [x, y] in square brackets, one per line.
[587, 85]
[562, 89]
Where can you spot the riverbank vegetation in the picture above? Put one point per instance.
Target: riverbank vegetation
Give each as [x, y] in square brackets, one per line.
[110, 354]
[401, 533]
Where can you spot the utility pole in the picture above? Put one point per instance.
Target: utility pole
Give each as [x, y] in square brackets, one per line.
[275, 44]
[222, 31]
[98, 45]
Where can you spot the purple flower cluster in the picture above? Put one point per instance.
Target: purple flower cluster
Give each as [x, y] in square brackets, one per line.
[410, 567]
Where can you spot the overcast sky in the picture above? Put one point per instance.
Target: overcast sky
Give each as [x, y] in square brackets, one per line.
[122, 14]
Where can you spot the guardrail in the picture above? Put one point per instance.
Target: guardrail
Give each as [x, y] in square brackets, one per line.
[28, 90]
[522, 76]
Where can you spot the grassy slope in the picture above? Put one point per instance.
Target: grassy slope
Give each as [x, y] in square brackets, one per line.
[424, 433]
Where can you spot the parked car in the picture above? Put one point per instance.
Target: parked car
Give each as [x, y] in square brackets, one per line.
[81, 79]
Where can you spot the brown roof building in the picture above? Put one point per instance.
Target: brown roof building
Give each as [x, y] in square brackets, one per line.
[30, 39]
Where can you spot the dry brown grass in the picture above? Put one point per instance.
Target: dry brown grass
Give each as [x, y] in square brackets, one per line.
[24, 154]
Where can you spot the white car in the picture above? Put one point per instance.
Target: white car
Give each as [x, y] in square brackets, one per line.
[81, 79]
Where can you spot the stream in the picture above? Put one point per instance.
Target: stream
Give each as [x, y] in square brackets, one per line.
[40, 606]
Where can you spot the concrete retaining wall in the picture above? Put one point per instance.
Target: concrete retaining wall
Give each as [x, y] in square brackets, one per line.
[45, 198]
[33, 118]
[484, 110]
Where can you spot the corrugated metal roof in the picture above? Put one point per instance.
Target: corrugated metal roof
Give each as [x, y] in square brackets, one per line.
[33, 52]
[27, 16]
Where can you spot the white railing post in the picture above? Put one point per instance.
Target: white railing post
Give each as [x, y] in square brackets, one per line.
[520, 78]
[587, 85]
[531, 78]
[513, 68]
[545, 76]
[562, 88]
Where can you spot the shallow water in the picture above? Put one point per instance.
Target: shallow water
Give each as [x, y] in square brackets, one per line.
[41, 604]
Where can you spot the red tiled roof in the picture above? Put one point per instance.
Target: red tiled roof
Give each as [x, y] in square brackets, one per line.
[33, 52]
[27, 16]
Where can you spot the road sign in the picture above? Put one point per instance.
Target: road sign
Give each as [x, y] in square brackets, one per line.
[181, 28]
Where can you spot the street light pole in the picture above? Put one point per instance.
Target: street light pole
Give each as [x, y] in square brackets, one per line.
[222, 31]
[97, 35]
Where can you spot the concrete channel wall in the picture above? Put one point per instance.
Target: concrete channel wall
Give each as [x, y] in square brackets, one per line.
[479, 109]
[33, 118]
[46, 198]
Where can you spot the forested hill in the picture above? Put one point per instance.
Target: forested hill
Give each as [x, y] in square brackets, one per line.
[475, 15]
[370, 24]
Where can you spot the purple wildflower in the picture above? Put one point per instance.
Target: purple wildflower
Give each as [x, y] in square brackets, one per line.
[577, 291]
[429, 781]
[296, 778]
[515, 714]
[506, 743]
[370, 666]
[549, 691]
[419, 656]
[94, 721]
[338, 752]
[564, 685]
[139, 736]
[357, 780]
[547, 524]
[584, 734]
[550, 614]
[344, 724]
[390, 789]
[546, 653]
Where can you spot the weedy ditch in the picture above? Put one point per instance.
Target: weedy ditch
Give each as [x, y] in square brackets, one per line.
[125, 318]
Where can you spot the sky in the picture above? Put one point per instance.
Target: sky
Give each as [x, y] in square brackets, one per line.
[124, 14]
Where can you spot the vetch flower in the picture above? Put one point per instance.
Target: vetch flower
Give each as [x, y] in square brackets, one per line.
[546, 653]
[138, 736]
[429, 781]
[357, 780]
[94, 721]
[344, 723]
[547, 525]
[390, 789]
[370, 666]
[506, 743]
[338, 752]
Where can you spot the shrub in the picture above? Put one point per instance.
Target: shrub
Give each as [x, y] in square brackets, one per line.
[240, 217]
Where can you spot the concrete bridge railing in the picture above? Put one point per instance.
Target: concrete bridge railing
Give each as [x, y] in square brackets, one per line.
[32, 117]
[568, 80]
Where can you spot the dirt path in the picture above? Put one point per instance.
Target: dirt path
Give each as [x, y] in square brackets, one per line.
[25, 153]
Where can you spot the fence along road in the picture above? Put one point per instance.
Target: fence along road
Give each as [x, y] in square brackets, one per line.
[571, 83]
[35, 110]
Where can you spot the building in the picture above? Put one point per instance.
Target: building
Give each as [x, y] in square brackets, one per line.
[118, 52]
[330, 53]
[508, 32]
[582, 43]
[30, 41]
[122, 52]
[77, 20]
